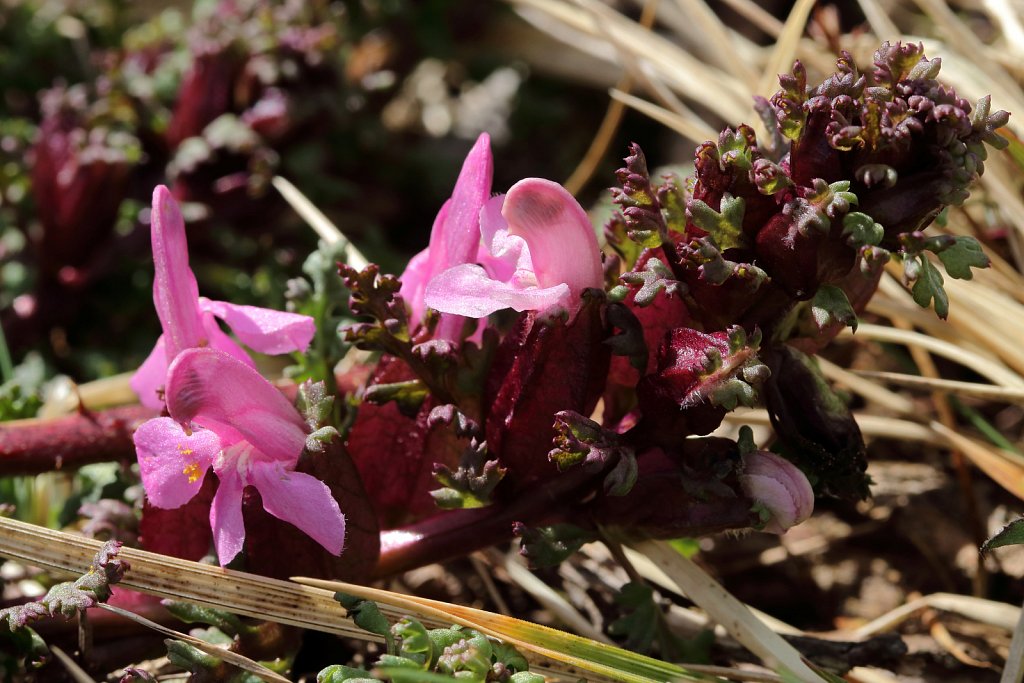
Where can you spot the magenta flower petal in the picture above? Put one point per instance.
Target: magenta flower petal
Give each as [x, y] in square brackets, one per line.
[172, 462]
[222, 342]
[780, 486]
[221, 393]
[468, 291]
[226, 516]
[414, 282]
[461, 232]
[263, 329]
[302, 500]
[454, 237]
[148, 380]
[175, 292]
[562, 243]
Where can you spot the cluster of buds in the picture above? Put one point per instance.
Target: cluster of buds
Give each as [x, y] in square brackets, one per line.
[719, 288]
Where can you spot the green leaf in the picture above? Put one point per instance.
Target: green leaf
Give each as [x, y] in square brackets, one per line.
[337, 673]
[639, 623]
[1011, 534]
[408, 395]
[416, 644]
[726, 227]
[192, 614]
[367, 616]
[549, 546]
[928, 287]
[965, 254]
[830, 306]
[860, 230]
[526, 677]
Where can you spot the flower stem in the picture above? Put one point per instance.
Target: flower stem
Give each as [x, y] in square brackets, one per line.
[35, 446]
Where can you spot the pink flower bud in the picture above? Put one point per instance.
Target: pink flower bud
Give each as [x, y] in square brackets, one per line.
[780, 487]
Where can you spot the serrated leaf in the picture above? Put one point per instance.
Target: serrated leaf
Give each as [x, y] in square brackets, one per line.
[928, 288]
[965, 254]
[726, 226]
[831, 306]
[860, 230]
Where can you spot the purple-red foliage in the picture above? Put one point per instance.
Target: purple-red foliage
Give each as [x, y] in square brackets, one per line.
[554, 367]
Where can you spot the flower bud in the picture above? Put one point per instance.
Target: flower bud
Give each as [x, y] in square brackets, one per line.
[779, 486]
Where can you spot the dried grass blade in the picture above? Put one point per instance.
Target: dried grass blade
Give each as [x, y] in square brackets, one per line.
[690, 129]
[882, 26]
[984, 611]
[988, 368]
[975, 389]
[77, 673]
[532, 639]
[728, 611]
[233, 658]
[870, 390]
[1014, 671]
[169, 577]
[718, 36]
[1002, 469]
[870, 425]
[320, 223]
[785, 48]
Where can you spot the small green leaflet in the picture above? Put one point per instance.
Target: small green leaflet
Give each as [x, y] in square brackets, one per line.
[1011, 534]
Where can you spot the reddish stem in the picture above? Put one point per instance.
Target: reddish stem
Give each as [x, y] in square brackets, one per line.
[36, 446]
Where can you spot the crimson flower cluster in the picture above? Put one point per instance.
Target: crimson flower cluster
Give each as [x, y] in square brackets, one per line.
[716, 292]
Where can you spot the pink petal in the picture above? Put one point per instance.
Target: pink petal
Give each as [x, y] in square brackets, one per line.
[263, 329]
[454, 238]
[780, 486]
[414, 281]
[302, 500]
[175, 292]
[505, 257]
[226, 516]
[467, 290]
[472, 189]
[563, 246]
[216, 339]
[148, 380]
[221, 393]
[173, 463]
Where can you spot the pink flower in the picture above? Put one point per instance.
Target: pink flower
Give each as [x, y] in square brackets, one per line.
[188, 320]
[539, 254]
[780, 487]
[225, 415]
[454, 238]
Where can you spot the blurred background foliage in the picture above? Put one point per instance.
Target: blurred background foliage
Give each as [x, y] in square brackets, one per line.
[368, 107]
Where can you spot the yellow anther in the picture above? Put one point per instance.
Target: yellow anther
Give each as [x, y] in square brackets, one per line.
[192, 471]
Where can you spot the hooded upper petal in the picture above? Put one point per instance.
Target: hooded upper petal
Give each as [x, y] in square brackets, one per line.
[172, 462]
[263, 329]
[302, 500]
[175, 292]
[541, 254]
[217, 391]
[562, 243]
